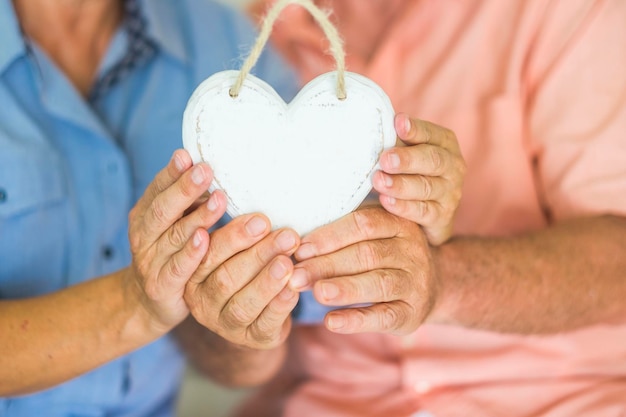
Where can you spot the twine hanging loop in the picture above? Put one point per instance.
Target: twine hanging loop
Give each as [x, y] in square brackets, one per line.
[336, 44]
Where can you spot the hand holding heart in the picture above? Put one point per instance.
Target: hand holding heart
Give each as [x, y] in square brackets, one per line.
[422, 180]
[168, 239]
[240, 289]
[374, 259]
[287, 171]
[371, 257]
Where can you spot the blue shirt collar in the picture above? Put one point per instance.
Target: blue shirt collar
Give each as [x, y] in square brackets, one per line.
[166, 32]
[13, 45]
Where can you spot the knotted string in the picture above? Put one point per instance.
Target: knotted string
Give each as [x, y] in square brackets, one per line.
[336, 44]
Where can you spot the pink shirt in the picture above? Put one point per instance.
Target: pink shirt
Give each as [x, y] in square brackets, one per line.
[536, 93]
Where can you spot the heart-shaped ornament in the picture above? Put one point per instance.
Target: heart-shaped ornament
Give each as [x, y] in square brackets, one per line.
[303, 164]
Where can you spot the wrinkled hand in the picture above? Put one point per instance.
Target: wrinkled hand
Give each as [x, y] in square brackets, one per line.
[240, 291]
[374, 258]
[422, 181]
[168, 245]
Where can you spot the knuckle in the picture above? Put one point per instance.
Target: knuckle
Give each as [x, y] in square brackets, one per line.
[462, 167]
[222, 281]
[456, 195]
[135, 242]
[134, 238]
[427, 132]
[261, 332]
[133, 214]
[175, 267]
[427, 212]
[422, 210]
[448, 211]
[436, 159]
[389, 317]
[260, 257]
[364, 223]
[158, 211]
[427, 187]
[358, 318]
[388, 286]
[235, 315]
[176, 235]
[367, 255]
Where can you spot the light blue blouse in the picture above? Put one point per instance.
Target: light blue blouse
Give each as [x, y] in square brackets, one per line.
[70, 171]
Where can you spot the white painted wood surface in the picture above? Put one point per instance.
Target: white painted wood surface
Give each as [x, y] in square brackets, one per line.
[303, 164]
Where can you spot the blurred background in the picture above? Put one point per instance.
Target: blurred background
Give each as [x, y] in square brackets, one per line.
[236, 3]
[200, 397]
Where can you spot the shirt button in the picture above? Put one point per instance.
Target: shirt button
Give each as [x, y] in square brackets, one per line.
[107, 252]
[3, 195]
[422, 387]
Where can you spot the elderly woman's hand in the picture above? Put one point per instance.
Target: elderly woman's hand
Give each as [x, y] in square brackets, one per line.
[422, 180]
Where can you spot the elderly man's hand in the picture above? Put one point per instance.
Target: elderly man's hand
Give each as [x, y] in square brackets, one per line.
[374, 259]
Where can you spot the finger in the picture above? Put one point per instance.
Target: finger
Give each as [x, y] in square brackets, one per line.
[415, 131]
[394, 317]
[376, 286]
[411, 187]
[436, 219]
[248, 303]
[424, 213]
[213, 283]
[201, 200]
[421, 159]
[239, 234]
[272, 326]
[178, 269]
[170, 204]
[178, 164]
[349, 261]
[364, 224]
[204, 216]
[229, 278]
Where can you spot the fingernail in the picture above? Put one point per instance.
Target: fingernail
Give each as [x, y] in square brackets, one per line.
[394, 159]
[178, 162]
[197, 175]
[212, 203]
[299, 279]
[305, 251]
[407, 124]
[286, 240]
[278, 270]
[197, 239]
[335, 322]
[329, 291]
[388, 180]
[255, 226]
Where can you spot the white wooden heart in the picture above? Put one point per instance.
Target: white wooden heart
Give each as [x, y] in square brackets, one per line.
[303, 165]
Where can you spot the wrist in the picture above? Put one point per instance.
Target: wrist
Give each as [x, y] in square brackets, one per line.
[445, 296]
[141, 322]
